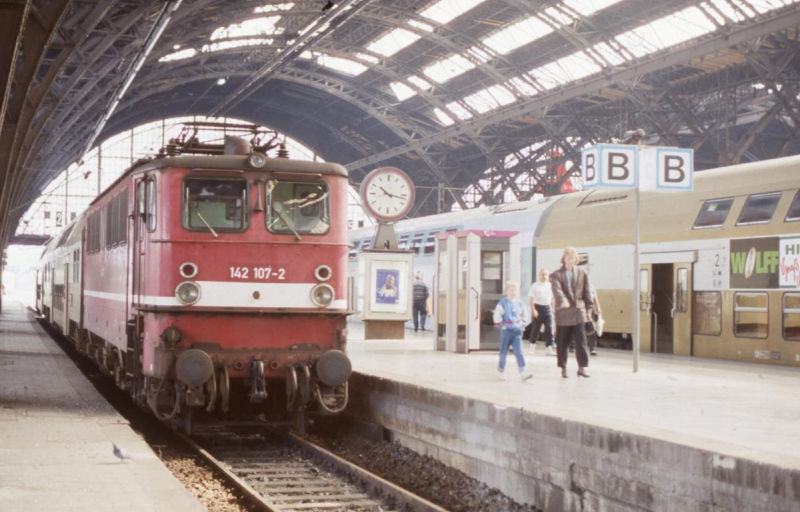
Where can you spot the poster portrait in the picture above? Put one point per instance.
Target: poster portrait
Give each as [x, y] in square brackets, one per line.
[387, 286]
[388, 281]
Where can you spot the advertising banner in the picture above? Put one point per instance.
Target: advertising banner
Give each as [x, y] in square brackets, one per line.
[754, 262]
[790, 262]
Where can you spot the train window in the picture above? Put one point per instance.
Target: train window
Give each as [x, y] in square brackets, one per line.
[707, 313]
[214, 204]
[298, 207]
[430, 243]
[758, 208]
[794, 209]
[402, 243]
[791, 316]
[682, 292]
[150, 206]
[713, 213]
[416, 243]
[750, 315]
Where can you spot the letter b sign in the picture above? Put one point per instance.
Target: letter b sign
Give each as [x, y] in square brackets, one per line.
[609, 165]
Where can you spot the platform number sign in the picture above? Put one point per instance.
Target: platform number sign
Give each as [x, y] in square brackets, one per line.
[609, 165]
[628, 166]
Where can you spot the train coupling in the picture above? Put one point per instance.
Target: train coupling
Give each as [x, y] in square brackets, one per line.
[258, 386]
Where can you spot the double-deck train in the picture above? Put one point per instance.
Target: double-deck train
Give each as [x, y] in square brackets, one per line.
[201, 279]
[719, 269]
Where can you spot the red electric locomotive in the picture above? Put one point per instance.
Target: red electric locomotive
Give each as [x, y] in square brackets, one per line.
[210, 279]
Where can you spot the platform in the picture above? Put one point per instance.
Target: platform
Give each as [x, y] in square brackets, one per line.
[56, 434]
[727, 419]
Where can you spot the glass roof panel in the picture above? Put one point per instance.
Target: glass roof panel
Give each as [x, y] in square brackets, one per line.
[559, 16]
[420, 82]
[517, 34]
[564, 70]
[459, 111]
[589, 7]
[443, 118]
[234, 43]
[489, 99]
[445, 69]
[346, 66]
[186, 53]
[393, 42]
[402, 91]
[445, 10]
[261, 26]
[274, 7]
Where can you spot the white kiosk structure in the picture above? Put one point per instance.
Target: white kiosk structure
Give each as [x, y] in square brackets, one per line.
[472, 268]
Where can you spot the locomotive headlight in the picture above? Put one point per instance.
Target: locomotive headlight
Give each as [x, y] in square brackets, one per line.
[256, 160]
[187, 292]
[322, 295]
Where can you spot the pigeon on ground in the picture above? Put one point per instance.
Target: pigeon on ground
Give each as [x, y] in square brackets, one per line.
[120, 453]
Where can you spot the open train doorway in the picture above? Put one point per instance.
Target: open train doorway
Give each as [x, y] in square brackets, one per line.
[662, 325]
[671, 308]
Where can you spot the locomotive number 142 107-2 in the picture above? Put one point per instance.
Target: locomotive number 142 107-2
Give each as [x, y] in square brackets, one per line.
[262, 273]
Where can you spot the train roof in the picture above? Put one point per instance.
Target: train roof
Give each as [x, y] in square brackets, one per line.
[605, 216]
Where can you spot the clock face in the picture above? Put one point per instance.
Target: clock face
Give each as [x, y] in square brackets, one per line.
[387, 193]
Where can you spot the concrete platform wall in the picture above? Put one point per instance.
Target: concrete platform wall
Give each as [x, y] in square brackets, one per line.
[562, 465]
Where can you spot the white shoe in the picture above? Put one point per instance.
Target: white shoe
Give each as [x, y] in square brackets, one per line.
[501, 375]
[550, 351]
[523, 376]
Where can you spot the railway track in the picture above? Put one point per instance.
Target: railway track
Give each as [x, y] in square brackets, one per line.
[282, 473]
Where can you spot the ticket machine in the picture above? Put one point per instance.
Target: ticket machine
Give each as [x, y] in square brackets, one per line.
[472, 268]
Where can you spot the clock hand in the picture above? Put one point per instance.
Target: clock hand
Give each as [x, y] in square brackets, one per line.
[387, 192]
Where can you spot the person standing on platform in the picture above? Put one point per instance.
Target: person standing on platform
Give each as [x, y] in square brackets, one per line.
[540, 296]
[420, 305]
[511, 317]
[573, 299]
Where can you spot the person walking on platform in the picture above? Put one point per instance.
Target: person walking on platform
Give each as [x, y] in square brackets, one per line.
[510, 316]
[540, 296]
[420, 306]
[573, 298]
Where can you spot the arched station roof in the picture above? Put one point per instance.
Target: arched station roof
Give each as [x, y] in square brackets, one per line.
[465, 94]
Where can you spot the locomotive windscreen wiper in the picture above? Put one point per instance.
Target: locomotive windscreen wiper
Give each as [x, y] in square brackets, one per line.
[288, 223]
[202, 219]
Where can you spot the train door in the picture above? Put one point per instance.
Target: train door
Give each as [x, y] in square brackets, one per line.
[65, 325]
[682, 309]
[671, 308]
[645, 308]
[662, 308]
[139, 228]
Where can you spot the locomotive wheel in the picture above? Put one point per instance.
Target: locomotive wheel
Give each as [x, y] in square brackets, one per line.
[304, 386]
[119, 370]
[291, 387]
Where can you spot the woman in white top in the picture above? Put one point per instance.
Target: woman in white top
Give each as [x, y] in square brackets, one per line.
[540, 296]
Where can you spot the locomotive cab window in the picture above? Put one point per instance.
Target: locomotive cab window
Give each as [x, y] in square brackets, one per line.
[758, 208]
[794, 209]
[713, 213]
[214, 204]
[298, 207]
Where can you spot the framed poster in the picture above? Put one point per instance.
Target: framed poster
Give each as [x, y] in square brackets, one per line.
[387, 285]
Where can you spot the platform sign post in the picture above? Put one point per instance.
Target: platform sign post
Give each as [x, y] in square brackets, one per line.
[637, 167]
